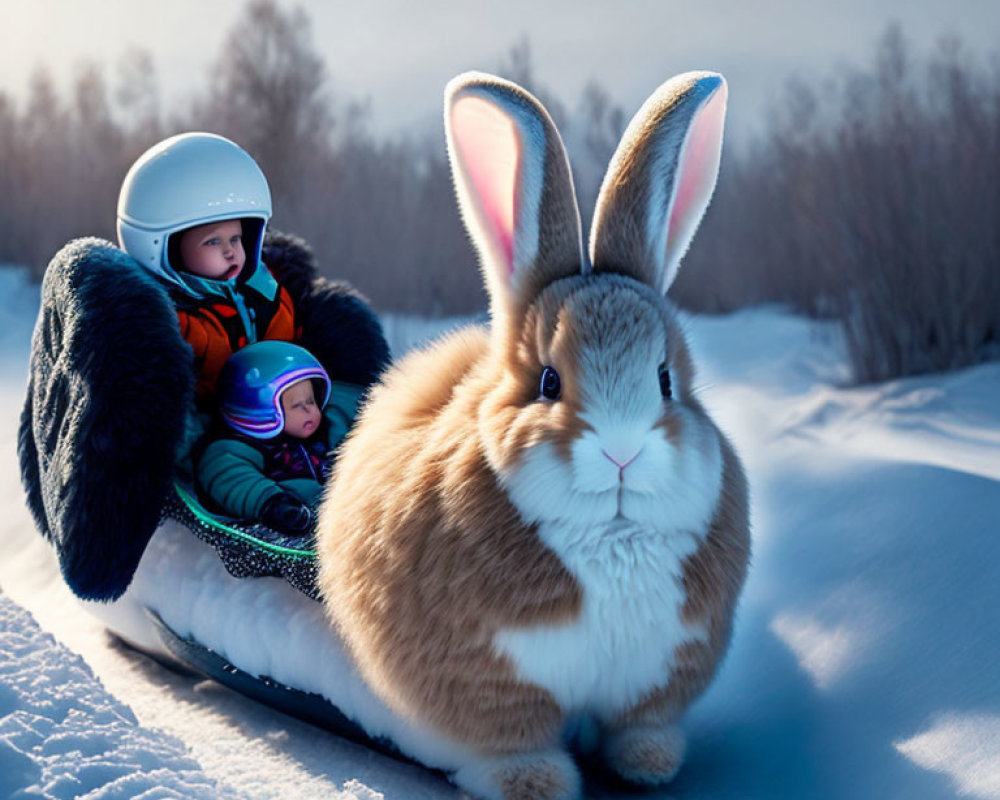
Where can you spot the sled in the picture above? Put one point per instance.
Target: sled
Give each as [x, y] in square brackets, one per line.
[133, 539]
[188, 655]
[109, 393]
[500, 705]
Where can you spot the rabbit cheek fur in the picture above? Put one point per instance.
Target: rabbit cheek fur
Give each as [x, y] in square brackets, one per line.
[419, 588]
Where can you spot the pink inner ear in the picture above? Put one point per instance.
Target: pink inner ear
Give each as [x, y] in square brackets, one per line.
[487, 143]
[698, 167]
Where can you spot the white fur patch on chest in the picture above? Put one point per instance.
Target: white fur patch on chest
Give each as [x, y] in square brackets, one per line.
[622, 645]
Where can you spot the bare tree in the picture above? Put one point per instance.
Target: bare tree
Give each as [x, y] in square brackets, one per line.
[268, 92]
[95, 165]
[43, 168]
[881, 213]
[519, 66]
[591, 138]
[137, 94]
[11, 177]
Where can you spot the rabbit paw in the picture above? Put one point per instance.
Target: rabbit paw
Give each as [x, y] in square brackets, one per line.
[646, 755]
[542, 775]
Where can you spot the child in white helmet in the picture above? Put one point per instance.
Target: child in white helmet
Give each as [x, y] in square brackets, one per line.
[193, 210]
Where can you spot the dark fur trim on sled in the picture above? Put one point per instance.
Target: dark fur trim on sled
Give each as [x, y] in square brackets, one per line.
[109, 385]
[338, 326]
[110, 380]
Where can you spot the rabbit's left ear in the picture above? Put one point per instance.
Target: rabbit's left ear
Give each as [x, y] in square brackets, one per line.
[660, 180]
[514, 187]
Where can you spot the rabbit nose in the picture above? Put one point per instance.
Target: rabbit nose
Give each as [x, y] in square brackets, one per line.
[621, 461]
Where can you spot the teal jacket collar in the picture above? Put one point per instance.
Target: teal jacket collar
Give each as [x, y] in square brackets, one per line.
[261, 281]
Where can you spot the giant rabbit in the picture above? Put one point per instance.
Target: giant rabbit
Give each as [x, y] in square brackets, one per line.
[535, 528]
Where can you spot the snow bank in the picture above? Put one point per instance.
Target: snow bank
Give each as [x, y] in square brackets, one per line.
[63, 736]
[865, 657]
[403, 332]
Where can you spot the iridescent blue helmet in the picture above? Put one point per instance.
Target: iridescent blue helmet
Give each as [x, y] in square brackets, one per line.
[252, 380]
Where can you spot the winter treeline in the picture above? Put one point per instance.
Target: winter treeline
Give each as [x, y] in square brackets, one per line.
[380, 213]
[873, 199]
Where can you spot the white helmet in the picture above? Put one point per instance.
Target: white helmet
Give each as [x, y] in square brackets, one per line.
[187, 180]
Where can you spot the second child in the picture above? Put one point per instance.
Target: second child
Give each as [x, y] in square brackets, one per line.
[269, 457]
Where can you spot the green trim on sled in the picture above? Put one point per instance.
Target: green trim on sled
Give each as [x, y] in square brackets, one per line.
[247, 548]
[217, 522]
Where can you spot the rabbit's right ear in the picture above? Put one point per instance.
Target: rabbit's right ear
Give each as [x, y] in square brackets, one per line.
[514, 187]
[660, 180]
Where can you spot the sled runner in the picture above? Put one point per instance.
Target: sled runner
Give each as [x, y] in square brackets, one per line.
[188, 655]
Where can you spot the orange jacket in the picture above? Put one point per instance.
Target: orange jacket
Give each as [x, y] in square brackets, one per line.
[215, 329]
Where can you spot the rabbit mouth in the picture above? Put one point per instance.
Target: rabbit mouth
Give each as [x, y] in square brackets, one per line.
[623, 502]
[635, 507]
[627, 499]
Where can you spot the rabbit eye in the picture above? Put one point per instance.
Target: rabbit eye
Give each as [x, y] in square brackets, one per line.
[665, 388]
[550, 387]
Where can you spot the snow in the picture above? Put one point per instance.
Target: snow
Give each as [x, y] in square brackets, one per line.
[62, 735]
[866, 650]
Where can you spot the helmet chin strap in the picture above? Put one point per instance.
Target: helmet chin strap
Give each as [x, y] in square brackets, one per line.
[199, 286]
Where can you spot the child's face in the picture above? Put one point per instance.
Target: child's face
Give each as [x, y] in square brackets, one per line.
[302, 415]
[214, 250]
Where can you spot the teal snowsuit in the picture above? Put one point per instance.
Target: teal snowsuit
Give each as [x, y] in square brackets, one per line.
[232, 472]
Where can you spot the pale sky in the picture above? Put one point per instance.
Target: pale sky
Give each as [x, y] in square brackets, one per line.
[400, 53]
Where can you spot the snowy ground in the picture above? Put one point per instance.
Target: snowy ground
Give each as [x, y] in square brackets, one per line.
[865, 660]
